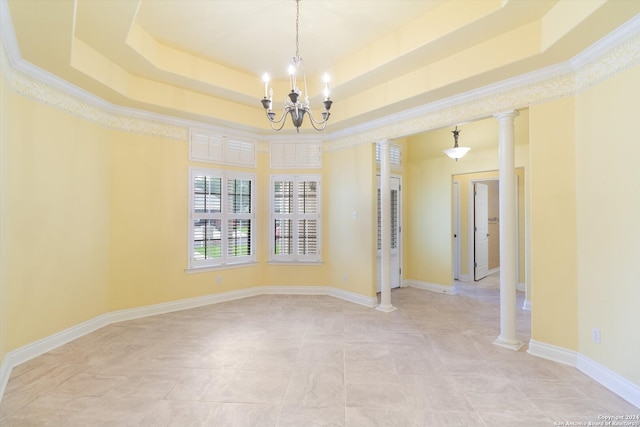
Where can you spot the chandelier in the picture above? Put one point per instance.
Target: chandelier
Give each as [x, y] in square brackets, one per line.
[456, 152]
[296, 104]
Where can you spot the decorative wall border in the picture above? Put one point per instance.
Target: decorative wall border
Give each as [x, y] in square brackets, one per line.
[613, 54]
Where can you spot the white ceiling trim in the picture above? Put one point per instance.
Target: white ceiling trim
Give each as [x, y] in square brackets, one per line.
[614, 53]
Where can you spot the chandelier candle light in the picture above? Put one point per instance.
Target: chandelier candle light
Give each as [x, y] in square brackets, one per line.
[293, 105]
[456, 152]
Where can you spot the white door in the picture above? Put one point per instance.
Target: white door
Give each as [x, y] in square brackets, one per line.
[396, 230]
[481, 230]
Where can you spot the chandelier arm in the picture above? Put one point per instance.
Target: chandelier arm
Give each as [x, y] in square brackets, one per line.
[282, 120]
[283, 117]
[314, 122]
[318, 122]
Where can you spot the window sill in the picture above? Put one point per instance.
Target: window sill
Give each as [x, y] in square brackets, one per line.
[204, 269]
[277, 262]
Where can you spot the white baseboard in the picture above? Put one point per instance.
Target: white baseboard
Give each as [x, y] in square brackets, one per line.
[614, 382]
[494, 270]
[321, 290]
[526, 305]
[552, 352]
[35, 349]
[30, 351]
[521, 287]
[464, 278]
[433, 287]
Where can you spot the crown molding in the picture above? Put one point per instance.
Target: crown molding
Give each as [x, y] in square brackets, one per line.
[614, 53]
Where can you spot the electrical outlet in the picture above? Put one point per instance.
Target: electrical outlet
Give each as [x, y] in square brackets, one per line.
[218, 280]
[595, 335]
[344, 277]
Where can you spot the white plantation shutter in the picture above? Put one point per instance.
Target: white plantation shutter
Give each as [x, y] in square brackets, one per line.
[242, 153]
[295, 218]
[395, 156]
[394, 220]
[207, 146]
[308, 217]
[240, 215]
[222, 219]
[297, 155]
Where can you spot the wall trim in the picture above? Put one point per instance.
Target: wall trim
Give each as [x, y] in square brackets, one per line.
[433, 287]
[35, 349]
[614, 382]
[552, 352]
[614, 53]
[521, 287]
[464, 278]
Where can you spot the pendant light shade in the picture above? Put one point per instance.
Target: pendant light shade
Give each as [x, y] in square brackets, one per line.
[456, 152]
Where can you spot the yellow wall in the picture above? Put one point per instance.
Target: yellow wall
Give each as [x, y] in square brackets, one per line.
[428, 245]
[351, 242]
[55, 220]
[4, 108]
[608, 208]
[95, 220]
[553, 230]
[149, 226]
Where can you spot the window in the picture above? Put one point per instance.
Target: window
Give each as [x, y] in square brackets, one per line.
[395, 156]
[211, 147]
[222, 219]
[295, 218]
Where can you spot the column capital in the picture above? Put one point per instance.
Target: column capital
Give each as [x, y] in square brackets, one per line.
[507, 113]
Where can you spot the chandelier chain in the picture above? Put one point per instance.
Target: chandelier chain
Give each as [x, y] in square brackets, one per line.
[296, 104]
[297, 26]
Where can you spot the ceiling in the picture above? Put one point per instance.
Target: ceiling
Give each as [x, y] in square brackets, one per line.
[203, 59]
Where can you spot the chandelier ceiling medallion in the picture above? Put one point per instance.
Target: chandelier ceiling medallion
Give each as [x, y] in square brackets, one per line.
[456, 152]
[297, 103]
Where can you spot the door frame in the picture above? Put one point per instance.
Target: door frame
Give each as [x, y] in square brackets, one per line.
[470, 224]
[471, 250]
[480, 228]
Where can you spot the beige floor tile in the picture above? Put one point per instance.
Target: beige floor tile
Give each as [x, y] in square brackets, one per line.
[245, 415]
[180, 414]
[379, 416]
[316, 387]
[448, 419]
[202, 385]
[296, 416]
[440, 393]
[376, 395]
[307, 361]
[257, 387]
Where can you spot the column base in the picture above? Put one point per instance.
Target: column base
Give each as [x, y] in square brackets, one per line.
[515, 346]
[386, 308]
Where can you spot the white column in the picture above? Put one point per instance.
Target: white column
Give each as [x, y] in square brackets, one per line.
[508, 232]
[385, 227]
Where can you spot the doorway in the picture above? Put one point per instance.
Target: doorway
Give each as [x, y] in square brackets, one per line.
[486, 228]
[396, 234]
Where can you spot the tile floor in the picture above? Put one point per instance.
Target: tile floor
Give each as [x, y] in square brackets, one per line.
[307, 361]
